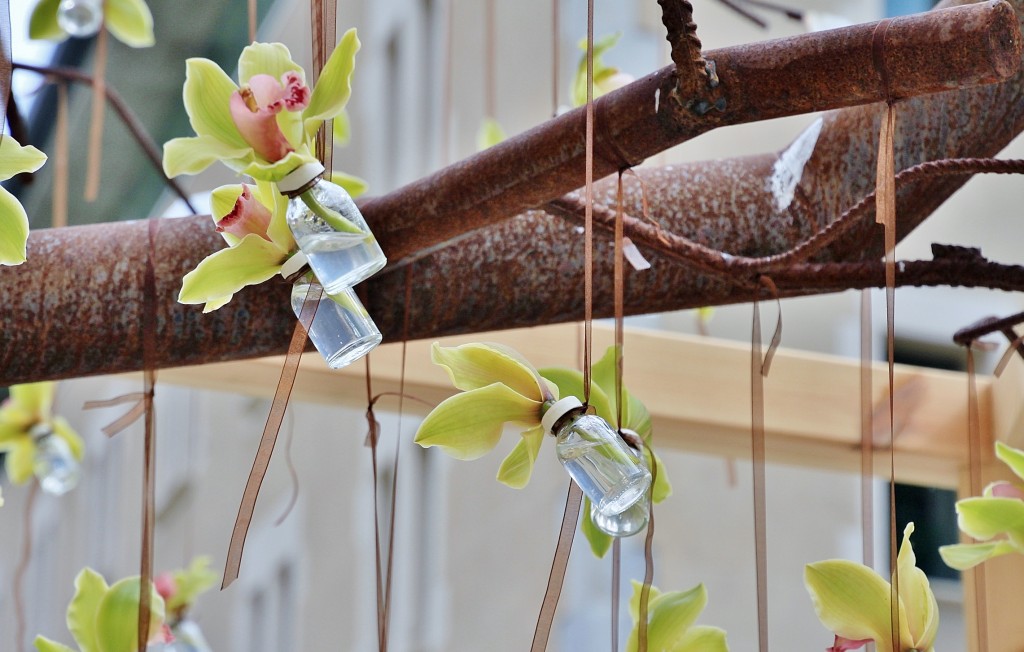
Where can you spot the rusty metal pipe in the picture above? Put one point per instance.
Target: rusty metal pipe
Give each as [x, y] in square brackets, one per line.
[922, 53]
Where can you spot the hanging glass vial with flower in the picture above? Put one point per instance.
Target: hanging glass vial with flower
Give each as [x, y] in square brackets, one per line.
[329, 229]
[342, 330]
[80, 18]
[599, 461]
[54, 465]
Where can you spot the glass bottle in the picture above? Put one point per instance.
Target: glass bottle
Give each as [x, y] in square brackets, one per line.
[342, 330]
[81, 18]
[187, 638]
[600, 462]
[54, 466]
[329, 229]
[624, 524]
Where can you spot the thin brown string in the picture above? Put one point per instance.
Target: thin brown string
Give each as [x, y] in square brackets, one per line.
[1007, 356]
[125, 420]
[372, 440]
[556, 577]
[99, 92]
[323, 16]
[149, 361]
[616, 583]
[270, 432]
[974, 454]
[293, 473]
[588, 224]
[6, 63]
[252, 21]
[757, 440]
[867, 430]
[645, 591]
[618, 272]
[26, 558]
[60, 160]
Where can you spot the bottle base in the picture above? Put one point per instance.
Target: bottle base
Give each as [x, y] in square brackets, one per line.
[353, 351]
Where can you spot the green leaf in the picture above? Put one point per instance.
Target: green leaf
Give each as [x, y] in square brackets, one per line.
[703, 639]
[117, 617]
[1012, 457]
[599, 541]
[477, 364]
[15, 158]
[353, 185]
[570, 383]
[489, 134]
[13, 230]
[963, 556]
[207, 95]
[468, 425]
[517, 467]
[851, 600]
[334, 86]
[195, 154]
[90, 588]
[19, 460]
[250, 262]
[44, 644]
[984, 518]
[272, 59]
[43, 25]
[130, 22]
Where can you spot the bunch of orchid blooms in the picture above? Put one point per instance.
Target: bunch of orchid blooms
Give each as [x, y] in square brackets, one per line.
[26, 418]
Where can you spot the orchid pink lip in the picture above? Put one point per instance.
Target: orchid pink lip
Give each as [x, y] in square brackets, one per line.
[247, 216]
[843, 644]
[165, 585]
[259, 127]
[1007, 490]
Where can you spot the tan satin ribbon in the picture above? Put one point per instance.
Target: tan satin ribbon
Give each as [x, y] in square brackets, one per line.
[556, 577]
[867, 435]
[757, 368]
[974, 455]
[149, 361]
[60, 160]
[99, 104]
[270, 431]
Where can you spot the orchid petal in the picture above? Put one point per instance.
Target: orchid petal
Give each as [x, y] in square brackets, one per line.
[334, 86]
[43, 25]
[15, 158]
[353, 185]
[1012, 457]
[634, 414]
[10, 433]
[247, 216]
[662, 488]
[264, 171]
[634, 600]
[36, 399]
[916, 596]
[259, 128]
[216, 303]
[475, 365]
[250, 262]
[63, 429]
[117, 616]
[90, 587]
[851, 600]
[1003, 489]
[13, 230]
[195, 154]
[579, 84]
[517, 467]
[44, 644]
[130, 21]
[669, 616]
[272, 59]
[341, 129]
[489, 134]
[599, 540]
[223, 198]
[962, 556]
[702, 638]
[207, 95]
[468, 425]
[278, 230]
[984, 518]
[570, 383]
[197, 578]
[19, 460]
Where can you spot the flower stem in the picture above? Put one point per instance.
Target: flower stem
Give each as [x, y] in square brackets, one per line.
[336, 220]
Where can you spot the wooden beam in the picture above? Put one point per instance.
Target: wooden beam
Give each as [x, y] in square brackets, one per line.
[698, 391]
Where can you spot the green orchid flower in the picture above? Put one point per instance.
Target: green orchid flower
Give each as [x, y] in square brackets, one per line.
[14, 159]
[104, 618]
[264, 128]
[181, 588]
[606, 78]
[670, 622]
[498, 387]
[23, 418]
[855, 603]
[996, 518]
[635, 417]
[489, 134]
[129, 21]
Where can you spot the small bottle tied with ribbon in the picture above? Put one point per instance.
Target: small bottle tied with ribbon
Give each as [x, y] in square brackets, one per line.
[599, 461]
[342, 330]
[80, 18]
[329, 229]
[634, 519]
[54, 464]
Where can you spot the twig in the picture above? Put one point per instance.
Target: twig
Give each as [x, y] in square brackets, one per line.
[135, 127]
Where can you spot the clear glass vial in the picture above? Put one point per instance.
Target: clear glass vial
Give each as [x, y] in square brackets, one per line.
[329, 229]
[342, 330]
[54, 465]
[81, 18]
[624, 524]
[600, 462]
[187, 638]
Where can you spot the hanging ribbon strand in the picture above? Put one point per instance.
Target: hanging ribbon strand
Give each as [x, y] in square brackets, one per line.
[99, 92]
[974, 453]
[6, 63]
[867, 435]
